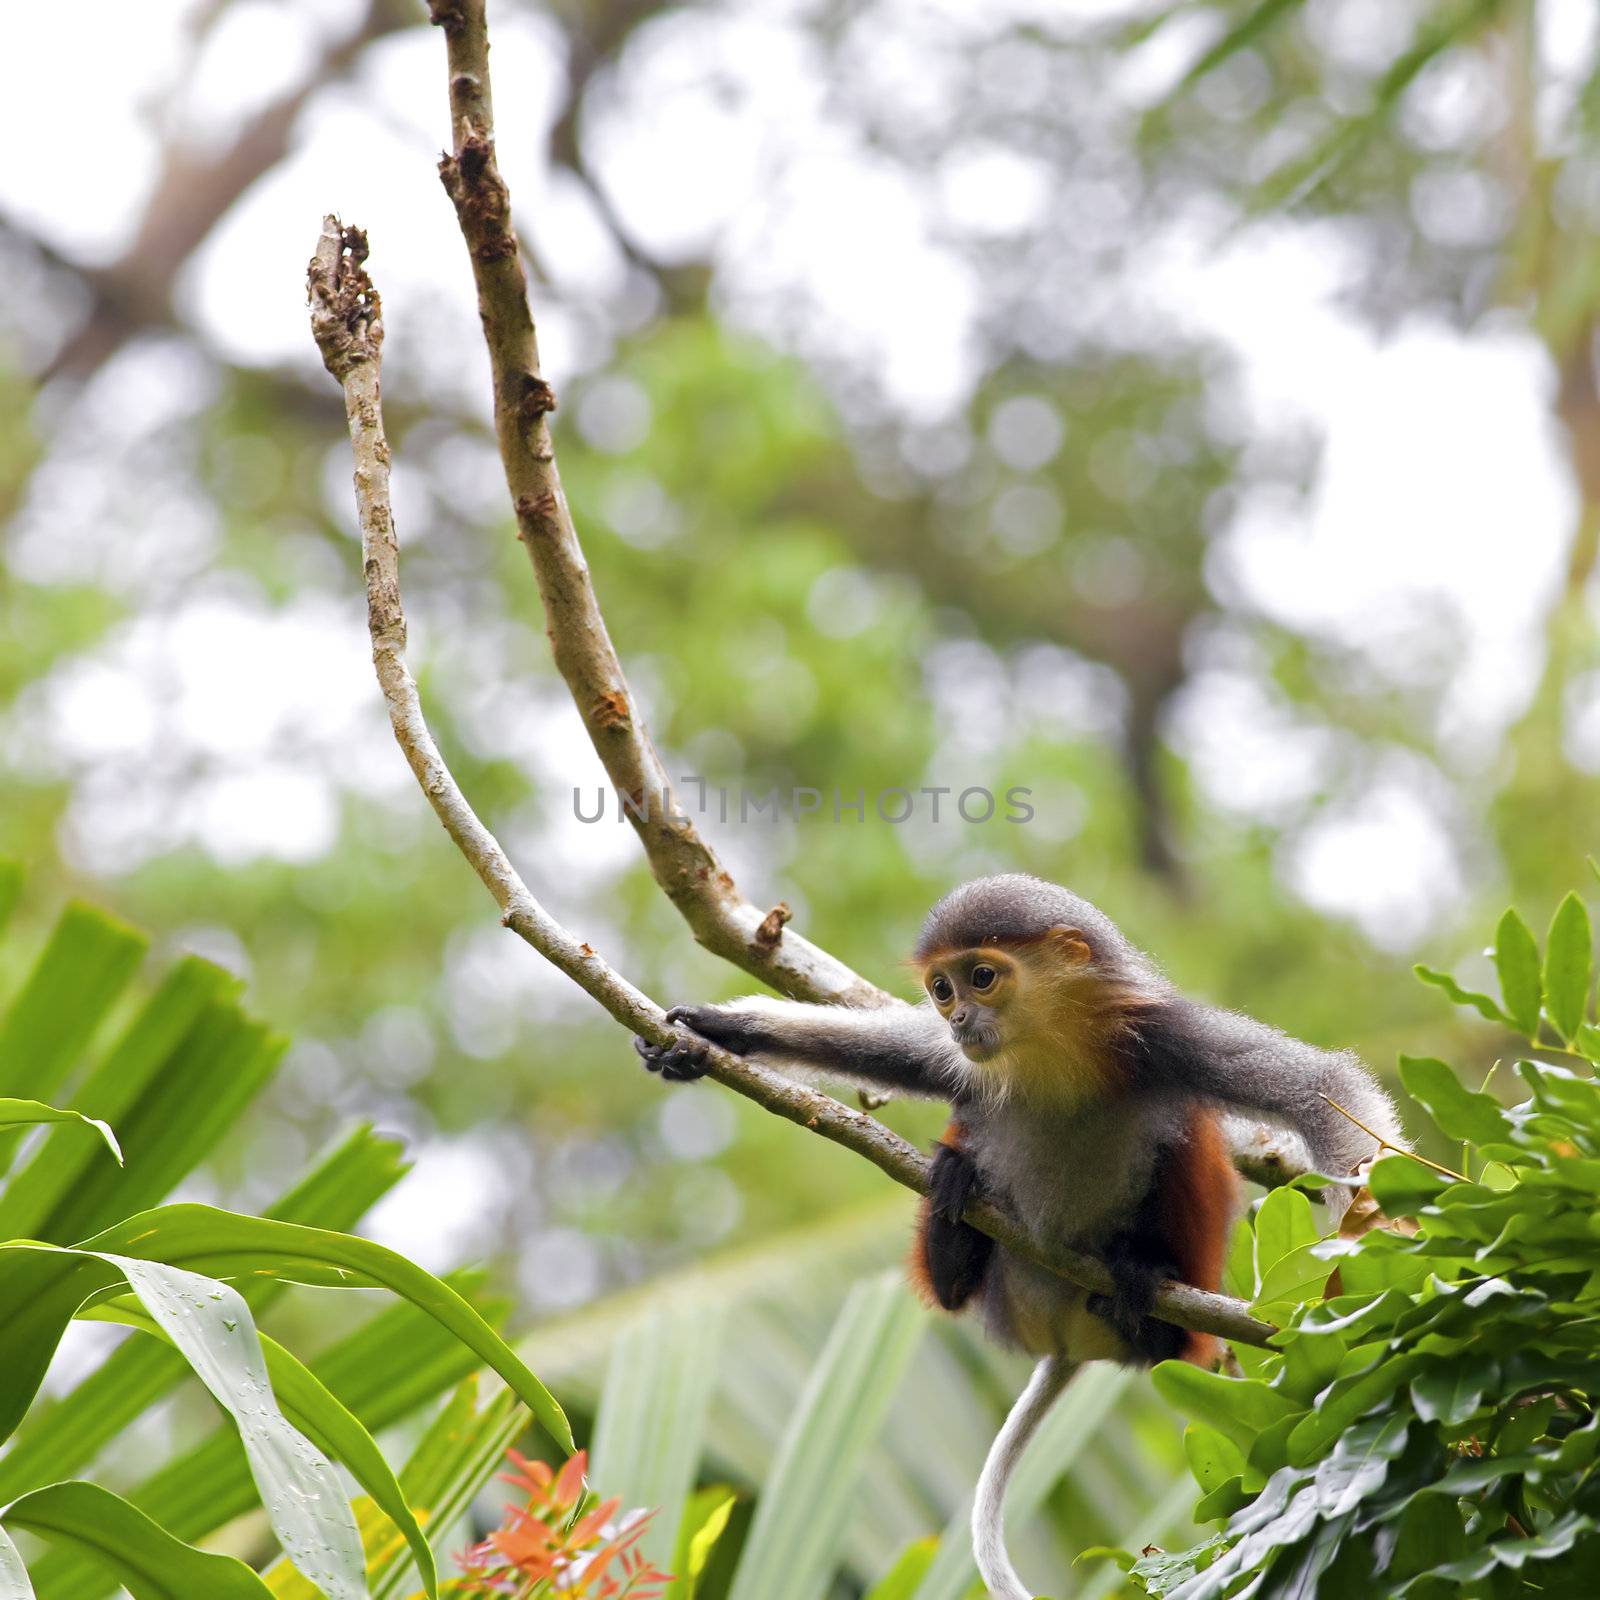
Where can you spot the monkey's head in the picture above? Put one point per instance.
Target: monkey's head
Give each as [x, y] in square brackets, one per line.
[1016, 966]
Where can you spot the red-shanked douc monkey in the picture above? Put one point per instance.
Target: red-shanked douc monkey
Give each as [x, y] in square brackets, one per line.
[1085, 1094]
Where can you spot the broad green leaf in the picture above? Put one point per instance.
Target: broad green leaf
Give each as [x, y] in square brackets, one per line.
[1516, 959]
[60, 1170]
[1239, 1408]
[1481, 1003]
[461, 1450]
[14, 1584]
[1293, 1280]
[648, 1430]
[222, 1242]
[139, 1553]
[800, 1517]
[1284, 1224]
[312, 1408]
[1461, 1113]
[21, 1113]
[1213, 1456]
[55, 1441]
[1358, 1464]
[1568, 958]
[84, 967]
[219, 1066]
[1449, 1391]
[1348, 1401]
[1239, 1271]
[705, 1520]
[382, 1372]
[1402, 1186]
[901, 1580]
[304, 1500]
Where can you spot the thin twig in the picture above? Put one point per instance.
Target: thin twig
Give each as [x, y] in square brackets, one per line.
[347, 322]
[1397, 1149]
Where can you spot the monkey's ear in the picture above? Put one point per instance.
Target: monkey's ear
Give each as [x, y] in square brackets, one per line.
[1071, 945]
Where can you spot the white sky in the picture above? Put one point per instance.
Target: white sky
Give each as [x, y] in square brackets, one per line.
[1443, 481]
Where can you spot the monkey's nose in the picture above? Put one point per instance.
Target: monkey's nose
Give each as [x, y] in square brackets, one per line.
[958, 1017]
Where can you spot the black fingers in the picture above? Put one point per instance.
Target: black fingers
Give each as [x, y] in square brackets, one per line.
[957, 1256]
[680, 1062]
[738, 1031]
[952, 1182]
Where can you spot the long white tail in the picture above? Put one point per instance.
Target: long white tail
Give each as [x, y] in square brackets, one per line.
[1049, 1378]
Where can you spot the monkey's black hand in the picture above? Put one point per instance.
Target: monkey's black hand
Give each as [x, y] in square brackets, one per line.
[952, 1182]
[738, 1031]
[680, 1062]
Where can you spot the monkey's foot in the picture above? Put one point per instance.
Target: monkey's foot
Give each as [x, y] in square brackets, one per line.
[1128, 1307]
[680, 1062]
[952, 1182]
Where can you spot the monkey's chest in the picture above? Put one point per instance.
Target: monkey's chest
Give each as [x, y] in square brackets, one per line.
[1072, 1178]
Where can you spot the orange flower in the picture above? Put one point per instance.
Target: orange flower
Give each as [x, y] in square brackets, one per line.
[532, 1554]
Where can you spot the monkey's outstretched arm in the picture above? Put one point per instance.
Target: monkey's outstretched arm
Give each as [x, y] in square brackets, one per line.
[1243, 1063]
[905, 1048]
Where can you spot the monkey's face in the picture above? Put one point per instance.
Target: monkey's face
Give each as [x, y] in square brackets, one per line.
[973, 991]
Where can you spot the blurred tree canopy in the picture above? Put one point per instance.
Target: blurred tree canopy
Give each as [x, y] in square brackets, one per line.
[905, 452]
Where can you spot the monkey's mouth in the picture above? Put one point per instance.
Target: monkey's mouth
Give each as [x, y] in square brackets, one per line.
[979, 1044]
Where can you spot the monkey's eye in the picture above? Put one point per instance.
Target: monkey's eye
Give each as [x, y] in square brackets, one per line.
[983, 977]
[940, 990]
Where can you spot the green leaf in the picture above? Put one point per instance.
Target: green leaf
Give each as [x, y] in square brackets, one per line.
[1239, 1408]
[14, 1584]
[1348, 1401]
[1284, 1224]
[148, 1562]
[704, 1521]
[1481, 1003]
[219, 1066]
[648, 1431]
[57, 1440]
[1449, 1391]
[20, 1113]
[901, 1580]
[1461, 1113]
[1293, 1280]
[1358, 1464]
[804, 1504]
[1568, 957]
[305, 1502]
[146, 1051]
[1402, 1186]
[312, 1408]
[382, 1372]
[1213, 1456]
[84, 967]
[1516, 959]
[222, 1242]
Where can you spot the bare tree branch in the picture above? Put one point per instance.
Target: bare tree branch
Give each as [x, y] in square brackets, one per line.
[347, 323]
[684, 865]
